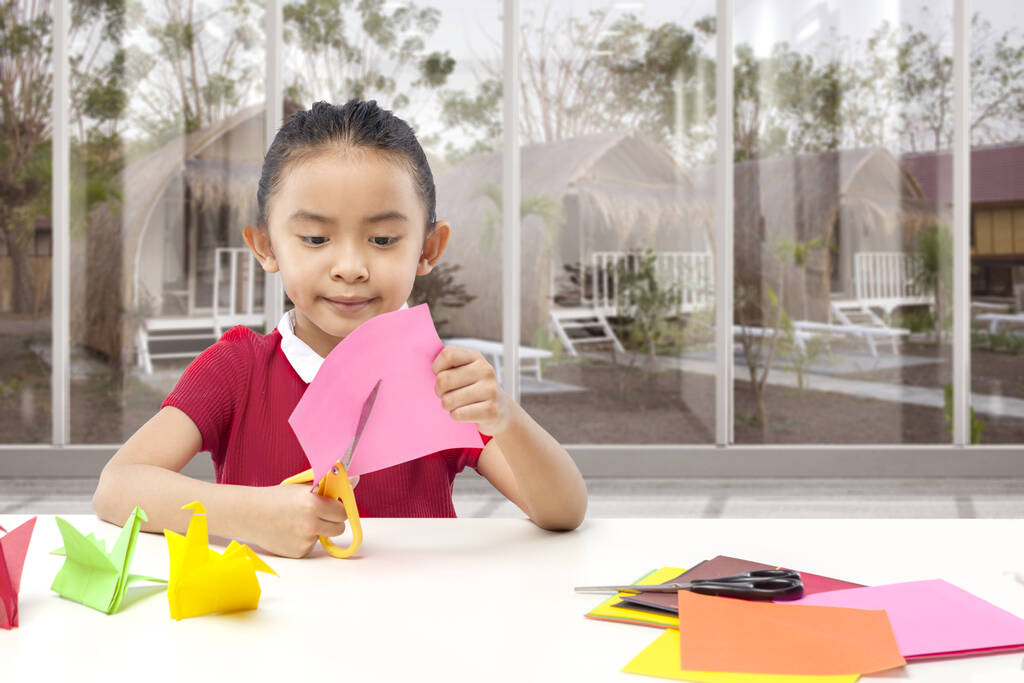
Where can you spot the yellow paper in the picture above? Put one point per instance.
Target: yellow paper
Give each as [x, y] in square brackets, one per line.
[202, 580]
[661, 659]
[607, 609]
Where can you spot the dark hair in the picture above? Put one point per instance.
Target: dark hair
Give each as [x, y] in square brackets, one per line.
[357, 124]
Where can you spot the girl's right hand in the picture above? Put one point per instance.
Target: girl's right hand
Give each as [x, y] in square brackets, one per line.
[289, 518]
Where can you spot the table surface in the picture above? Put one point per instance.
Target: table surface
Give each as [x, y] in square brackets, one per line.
[478, 599]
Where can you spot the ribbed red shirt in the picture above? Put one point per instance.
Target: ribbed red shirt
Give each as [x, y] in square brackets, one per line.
[240, 392]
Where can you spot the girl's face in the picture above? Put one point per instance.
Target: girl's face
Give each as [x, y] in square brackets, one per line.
[346, 230]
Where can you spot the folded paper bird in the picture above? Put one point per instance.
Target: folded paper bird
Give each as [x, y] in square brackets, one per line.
[90, 574]
[13, 548]
[204, 581]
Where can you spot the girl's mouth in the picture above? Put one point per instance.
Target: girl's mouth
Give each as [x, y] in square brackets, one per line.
[349, 306]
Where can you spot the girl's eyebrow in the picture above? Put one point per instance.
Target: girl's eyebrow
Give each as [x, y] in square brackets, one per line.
[303, 215]
[386, 216]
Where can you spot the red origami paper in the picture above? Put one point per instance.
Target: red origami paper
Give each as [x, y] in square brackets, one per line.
[13, 548]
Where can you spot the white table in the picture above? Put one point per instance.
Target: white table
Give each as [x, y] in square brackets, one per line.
[477, 600]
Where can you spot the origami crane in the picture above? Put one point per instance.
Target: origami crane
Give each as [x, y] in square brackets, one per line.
[202, 580]
[13, 548]
[90, 574]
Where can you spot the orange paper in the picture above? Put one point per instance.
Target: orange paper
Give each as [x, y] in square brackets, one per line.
[742, 636]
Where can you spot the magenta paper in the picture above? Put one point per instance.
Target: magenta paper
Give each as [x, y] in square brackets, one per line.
[932, 618]
[407, 422]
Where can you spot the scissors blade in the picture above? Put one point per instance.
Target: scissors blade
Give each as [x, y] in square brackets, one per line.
[640, 588]
[364, 417]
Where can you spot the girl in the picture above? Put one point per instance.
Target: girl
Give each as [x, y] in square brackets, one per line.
[346, 215]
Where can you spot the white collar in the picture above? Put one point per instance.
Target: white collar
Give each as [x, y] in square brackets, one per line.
[303, 359]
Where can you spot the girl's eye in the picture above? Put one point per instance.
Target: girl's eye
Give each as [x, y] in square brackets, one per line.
[315, 241]
[383, 241]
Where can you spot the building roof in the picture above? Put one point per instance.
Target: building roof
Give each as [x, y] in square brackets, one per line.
[997, 174]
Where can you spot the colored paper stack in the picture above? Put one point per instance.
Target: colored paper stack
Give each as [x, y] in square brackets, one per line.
[835, 633]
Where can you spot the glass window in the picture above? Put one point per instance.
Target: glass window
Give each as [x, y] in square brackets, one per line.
[618, 140]
[167, 138]
[843, 262]
[997, 212]
[25, 207]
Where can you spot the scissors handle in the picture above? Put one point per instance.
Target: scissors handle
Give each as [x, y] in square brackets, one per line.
[335, 484]
[760, 584]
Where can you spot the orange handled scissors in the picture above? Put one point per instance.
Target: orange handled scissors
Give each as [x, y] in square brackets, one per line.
[335, 484]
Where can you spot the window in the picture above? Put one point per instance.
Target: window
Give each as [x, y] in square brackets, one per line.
[842, 210]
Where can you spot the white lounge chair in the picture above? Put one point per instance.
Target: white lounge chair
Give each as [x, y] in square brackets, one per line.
[529, 357]
[800, 336]
[993, 319]
[869, 334]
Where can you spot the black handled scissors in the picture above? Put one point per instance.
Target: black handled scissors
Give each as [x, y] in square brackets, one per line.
[761, 584]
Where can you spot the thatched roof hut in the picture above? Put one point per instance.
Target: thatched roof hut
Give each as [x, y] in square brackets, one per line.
[850, 201]
[194, 192]
[617, 191]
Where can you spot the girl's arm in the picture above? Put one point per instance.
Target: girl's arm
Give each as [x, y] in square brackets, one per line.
[522, 460]
[145, 471]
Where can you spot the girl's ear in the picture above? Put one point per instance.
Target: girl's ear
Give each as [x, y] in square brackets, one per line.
[433, 246]
[259, 243]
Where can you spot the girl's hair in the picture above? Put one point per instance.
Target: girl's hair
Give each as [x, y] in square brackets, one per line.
[355, 124]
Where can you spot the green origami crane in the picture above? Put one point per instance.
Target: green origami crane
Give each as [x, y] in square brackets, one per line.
[92, 576]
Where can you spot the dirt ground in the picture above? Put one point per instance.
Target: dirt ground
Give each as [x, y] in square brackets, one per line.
[674, 407]
[620, 406]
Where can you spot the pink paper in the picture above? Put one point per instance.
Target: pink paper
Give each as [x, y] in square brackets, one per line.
[932, 618]
[407, 422]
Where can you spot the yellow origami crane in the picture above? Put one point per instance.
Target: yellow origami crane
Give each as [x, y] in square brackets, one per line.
[202, 580]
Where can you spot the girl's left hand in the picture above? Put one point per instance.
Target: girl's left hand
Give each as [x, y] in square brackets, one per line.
[469, 390]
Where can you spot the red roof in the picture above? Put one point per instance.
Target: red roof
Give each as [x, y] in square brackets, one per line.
[997, 174]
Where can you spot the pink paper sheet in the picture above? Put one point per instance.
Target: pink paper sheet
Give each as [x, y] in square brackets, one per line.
[407, 422]
[933, 618]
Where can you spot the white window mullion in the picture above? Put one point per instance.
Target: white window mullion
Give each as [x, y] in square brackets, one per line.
[60, 379]
[273, 289]
[510, 182]
[724, 226]
[961, 223]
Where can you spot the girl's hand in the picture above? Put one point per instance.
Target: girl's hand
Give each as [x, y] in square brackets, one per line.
[469, 390]
[289, 518]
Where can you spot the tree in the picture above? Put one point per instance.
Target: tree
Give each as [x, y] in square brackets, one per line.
[362, 49]
[193, 74]
[593, 73]
[25, 95]
[645, 301]
[913, 67]
[931, 268]
[438, 289]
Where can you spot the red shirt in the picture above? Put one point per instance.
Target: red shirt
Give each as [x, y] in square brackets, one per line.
[240, 392]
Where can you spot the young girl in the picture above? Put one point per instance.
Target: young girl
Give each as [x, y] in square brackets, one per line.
[346, 215]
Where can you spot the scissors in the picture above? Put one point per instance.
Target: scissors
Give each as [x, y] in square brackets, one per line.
[335, 484]
[761, 584]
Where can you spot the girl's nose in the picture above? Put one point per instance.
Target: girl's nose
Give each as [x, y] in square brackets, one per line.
[349, 265]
